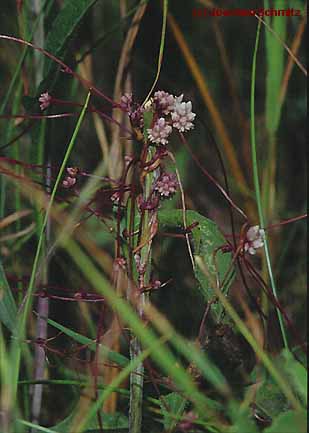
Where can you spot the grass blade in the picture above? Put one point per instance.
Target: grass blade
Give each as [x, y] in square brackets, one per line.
[257, 184]
[8, 310]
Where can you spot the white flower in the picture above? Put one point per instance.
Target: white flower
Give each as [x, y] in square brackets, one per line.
[165, 102]
[182, 116]
[160, 132]
[254, 239]
[45, 100]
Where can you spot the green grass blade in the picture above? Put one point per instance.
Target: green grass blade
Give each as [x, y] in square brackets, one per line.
[161, 50]
[36, 427]
[275, 373]
[257, 183]
[162, 355]
[112, 356]
[47, 214]
[8, 310]
[21, 325]
[22, 58]
[275, 68]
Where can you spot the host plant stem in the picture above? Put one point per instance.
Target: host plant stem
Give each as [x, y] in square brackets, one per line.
[137, 375]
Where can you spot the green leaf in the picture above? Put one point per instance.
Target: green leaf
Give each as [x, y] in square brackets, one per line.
[60, 35]
[242, 420]
[65, 25]
[297, 374]
[8, 310]
[275, 54]
[172, 406]
[269, 396]
[111, 421]
[270, 399]
[112, 356]
[289, 422]
[207, 239]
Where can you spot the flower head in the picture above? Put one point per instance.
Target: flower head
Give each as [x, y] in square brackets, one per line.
[72, 171]
[45, 100]
[164, 101]
[166, 185]
[160, 132]
[126, 102]
[137, 117]
[182, 116]
[68, 182]
[254, 239]
[156, 284]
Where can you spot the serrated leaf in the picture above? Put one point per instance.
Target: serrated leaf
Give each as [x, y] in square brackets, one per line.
[207, 238]
[8, 310]
[289, 422]
[112, 356]
[172, 407]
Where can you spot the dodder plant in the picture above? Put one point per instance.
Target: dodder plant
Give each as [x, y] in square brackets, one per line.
[188, 390]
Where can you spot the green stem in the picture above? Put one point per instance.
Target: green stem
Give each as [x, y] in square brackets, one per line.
[257, 185]
[137, 375]
[161, 50]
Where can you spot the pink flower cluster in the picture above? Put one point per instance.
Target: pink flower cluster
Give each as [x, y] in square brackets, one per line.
[178, 114]
[70, 179]
[170, 112]
[166, 185]
[45, 100]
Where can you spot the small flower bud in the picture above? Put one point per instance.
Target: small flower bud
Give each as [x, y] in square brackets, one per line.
[119, 263]
[156, 284]
[45, 100]
[126, 102]
[68, 182]
[72, 171]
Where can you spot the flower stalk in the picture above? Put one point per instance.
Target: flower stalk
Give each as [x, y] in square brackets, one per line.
[153, 124]
[143, 270]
